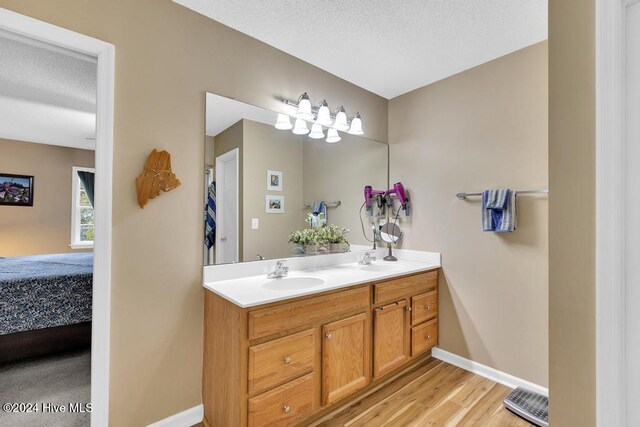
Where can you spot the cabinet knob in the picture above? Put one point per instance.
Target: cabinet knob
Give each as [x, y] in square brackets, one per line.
[408, 308]
[287, 360]
[427, 337]
[427, 307]
[286, 409]
[328, 336]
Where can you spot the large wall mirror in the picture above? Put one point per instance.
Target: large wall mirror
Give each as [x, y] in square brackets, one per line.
[264, 187]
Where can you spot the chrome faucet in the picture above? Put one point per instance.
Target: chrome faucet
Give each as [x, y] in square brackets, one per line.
[367, 259]
[281, 271]
[260, 257]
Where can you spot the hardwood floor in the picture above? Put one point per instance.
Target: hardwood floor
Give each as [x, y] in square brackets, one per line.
[434, 394]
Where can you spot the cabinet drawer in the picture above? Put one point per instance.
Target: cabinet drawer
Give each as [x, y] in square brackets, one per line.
[424, 336]
[283, 406]
[281, 318]
[281, 360]
[405, 286]
[424, 307]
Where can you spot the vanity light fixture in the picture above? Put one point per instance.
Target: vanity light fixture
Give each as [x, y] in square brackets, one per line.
[341, 120]
[356, 125]
[333, 136]
[283, 122]
[300, 127]
[316, 131]
[304, 107]
[324, 115]
[319, 114]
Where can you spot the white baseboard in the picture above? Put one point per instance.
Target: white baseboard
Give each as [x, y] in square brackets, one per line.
[487, 372]
[186, 418]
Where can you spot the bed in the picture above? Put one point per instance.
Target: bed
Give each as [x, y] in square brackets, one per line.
[45, 304]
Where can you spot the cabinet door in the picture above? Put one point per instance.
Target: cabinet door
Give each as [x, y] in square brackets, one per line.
[389, 337]
[345, 357]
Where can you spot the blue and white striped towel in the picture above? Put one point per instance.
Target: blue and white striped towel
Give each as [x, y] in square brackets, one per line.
[499, 210]
[210, 227]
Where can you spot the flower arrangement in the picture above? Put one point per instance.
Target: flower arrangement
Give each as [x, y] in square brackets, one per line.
[310, 238]
[333, 234]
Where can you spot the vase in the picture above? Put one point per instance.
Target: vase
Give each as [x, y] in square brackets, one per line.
[335, 248]
[311, 249]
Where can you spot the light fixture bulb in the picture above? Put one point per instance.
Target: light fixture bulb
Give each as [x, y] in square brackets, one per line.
[333, 136]
[324, 115]
[300, 127]
[304, 107]
[341, 120]
[316, 131]
[356, 125]
[283, 122]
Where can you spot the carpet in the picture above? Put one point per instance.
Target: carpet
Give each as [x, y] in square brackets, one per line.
[47, 384]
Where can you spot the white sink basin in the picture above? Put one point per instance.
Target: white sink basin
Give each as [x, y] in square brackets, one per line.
[291, 283]
[384, 266]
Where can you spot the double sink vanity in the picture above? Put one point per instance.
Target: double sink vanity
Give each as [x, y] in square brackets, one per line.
[287, 350]
[315, 320]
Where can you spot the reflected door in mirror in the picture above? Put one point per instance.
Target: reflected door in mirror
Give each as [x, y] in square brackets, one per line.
[227, 248]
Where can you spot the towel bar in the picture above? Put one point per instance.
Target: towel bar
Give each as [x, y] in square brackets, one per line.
[329, 204]
[463, 196]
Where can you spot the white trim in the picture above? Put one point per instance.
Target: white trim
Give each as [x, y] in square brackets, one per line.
[610, 221]
[81, 246]
[186, 418]
[105, 52]
[487, 372]
[76, 243]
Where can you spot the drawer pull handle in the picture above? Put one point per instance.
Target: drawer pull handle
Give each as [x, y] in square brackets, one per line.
[286, 409]
[328, 336]
[287, 360]
[427, 337]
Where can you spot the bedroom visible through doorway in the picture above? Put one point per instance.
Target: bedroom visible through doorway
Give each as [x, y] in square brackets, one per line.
[48, 101]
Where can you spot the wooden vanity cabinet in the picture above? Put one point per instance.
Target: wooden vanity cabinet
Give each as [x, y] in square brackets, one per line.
[284, 363]
[345, 357]
[390, 337]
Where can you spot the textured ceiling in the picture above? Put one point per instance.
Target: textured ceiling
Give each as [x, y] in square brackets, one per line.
[387, 47]
[47, 94]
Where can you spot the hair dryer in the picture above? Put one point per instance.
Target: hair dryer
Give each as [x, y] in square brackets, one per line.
[398, 190]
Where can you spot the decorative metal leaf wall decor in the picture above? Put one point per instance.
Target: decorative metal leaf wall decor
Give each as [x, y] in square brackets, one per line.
[156, 176]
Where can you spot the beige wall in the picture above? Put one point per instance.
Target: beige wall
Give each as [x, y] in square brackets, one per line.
[572, 212]
[269, 148]
[340, 172]
[483, 128]
[167, 58]
[44, 228]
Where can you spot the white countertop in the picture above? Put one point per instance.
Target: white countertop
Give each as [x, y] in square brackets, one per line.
[255, 289]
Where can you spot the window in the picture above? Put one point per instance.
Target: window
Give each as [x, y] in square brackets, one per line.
[82, 226]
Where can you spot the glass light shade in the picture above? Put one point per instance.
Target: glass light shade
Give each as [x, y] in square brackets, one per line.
[356, 125]
[341, 120]
[283, 122]
[316, 131]
[301, 127]
[304, 108]
[324, 115]
[333, 136]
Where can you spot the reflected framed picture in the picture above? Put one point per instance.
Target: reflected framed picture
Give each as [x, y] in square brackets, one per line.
[274, 204]
[274, 180]
[16, 190]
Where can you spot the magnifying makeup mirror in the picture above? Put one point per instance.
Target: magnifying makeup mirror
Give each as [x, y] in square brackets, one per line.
[390, 233]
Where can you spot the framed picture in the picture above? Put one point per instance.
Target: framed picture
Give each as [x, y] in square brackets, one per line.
[274, 204]
[16, 190]
[274, 180]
